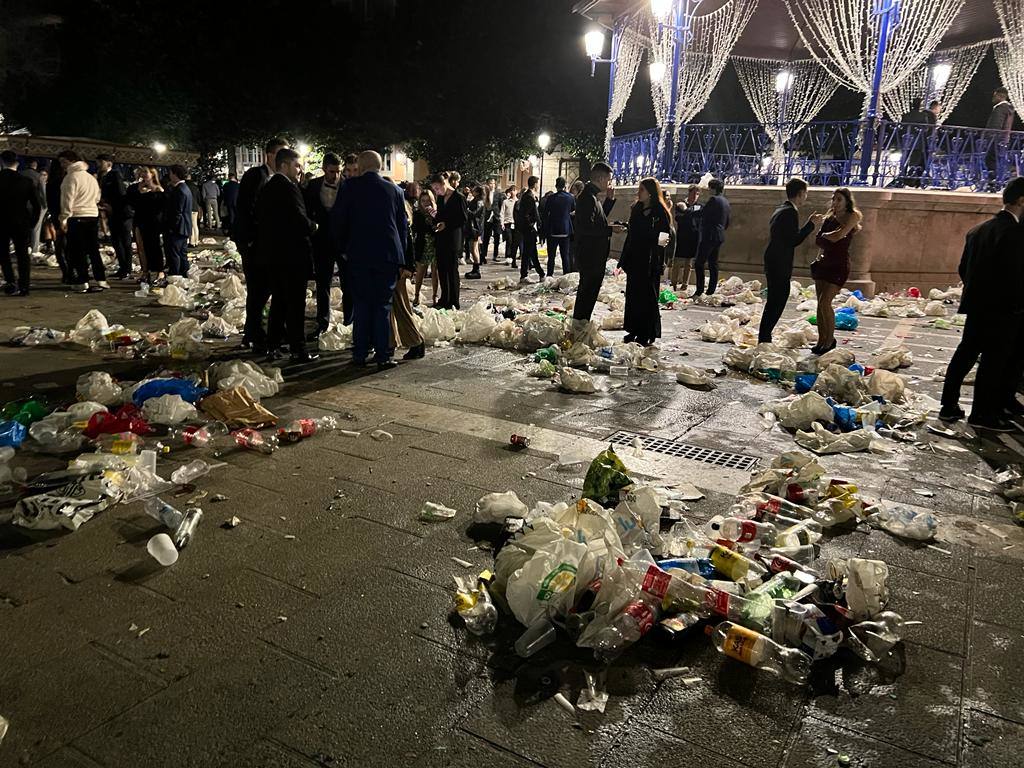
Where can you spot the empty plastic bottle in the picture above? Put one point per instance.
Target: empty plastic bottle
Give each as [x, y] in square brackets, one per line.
[303, 428]
[736, 566]
[199, 437]
[873, 640]
[254, 440]
[632, 623]
[184, 532]
[189, 473]
[778, 562]
[479, 614]
[737, 529]
[759, 651]
[804, 553]
[160, 510]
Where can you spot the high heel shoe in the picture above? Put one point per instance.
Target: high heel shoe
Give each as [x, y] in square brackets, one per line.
[819, 350]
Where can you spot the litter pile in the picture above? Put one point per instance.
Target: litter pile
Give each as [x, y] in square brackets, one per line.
[624, 562]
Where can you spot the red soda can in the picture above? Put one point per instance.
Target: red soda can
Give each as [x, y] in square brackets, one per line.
[519, 442]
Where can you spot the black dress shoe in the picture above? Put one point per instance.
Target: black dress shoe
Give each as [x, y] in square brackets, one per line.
[991, 425]
[951, 414]
[10, 289]
[472, 275]
[304, 357]
[23, 292]
[272, 355]
[415, 353]
[387, 365]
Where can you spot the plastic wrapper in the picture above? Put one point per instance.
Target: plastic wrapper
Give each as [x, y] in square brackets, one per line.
[99, 387]
[236, 407]
[90, 328]
[436, 326]
[127, 418]
[606, 476]
[613, 321]
[336, 339]
[67, 506]
[540, 331]
[802, 411]
[231, 288]
[579, 382]
[505, 335]
[12, 433]
[27, 336]
[935, 309]
[495, 507]
[767, 357]
[258, 381]
[721, 330]
[168, 409]
[821, 441]
[689, 376]
[185, 338]
[478, 324]
[187, 389]
[906, 522]
[892, 358]
[844, 385]
[218, 327]
[173, 296]
[886, 384]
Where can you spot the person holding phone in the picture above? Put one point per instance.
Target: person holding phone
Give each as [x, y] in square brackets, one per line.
[643, 260]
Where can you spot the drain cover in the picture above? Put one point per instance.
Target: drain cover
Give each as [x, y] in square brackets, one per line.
[687, 451]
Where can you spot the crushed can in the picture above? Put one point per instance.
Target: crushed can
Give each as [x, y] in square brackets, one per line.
[519, 442]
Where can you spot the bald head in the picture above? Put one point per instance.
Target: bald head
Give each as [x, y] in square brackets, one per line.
[369, 161]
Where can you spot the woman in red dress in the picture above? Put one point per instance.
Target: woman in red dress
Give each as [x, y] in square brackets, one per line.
[832, 268]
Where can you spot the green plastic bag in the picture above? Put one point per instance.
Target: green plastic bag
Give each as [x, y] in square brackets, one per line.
[812, 319]
[606, 476]
[25, 412]
[667, 296]
[547, 353]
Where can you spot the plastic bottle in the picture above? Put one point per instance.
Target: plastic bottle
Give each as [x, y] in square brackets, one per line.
[777, 562]
[199, 437]
[802, 553]
[184, 533]
[618, 371]
[190, 472]
[540, 634]
[873, 640]
[736, 566]
[120, 443]
[160, 510]
[633, 622]
[254, 440]
[303, 428]
[736, 529]
[759, 651]
[689, 592]
[481, 618]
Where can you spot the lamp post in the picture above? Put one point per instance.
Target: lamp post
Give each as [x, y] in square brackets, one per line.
[889, 11]
[783, 85]
[543, 141]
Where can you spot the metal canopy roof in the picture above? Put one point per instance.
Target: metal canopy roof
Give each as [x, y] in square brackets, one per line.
[770, 33]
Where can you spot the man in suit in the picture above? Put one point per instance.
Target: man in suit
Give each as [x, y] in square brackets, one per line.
[493, 227]
[993, 275]
[1000, 121]
[284, 249]
[120, 214]
[320, 195]
[786, 235]
[177, 221]
[560, 208]
[31, 171]
[913, 166]
[593, 236]
[230, 197]
[370, 227]
[528, 224]
[257, 278]
[19, 211]
[713, 224]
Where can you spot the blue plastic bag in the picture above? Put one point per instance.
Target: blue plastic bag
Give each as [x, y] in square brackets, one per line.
[12, 433]
[858, 294]
[846, 417]
[846, 311]
[804, 382]
[188, 390]
[846, 322]
[857, 368]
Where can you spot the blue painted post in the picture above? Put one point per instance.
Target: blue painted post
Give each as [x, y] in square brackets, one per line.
[680, 23]
[889, 11]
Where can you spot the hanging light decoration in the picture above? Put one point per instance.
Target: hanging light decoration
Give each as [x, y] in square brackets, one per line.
[951, 74]
[657, 70]
[660, 9]
[842, 35]
[627, 63]
[784, 95]
[1011, 72]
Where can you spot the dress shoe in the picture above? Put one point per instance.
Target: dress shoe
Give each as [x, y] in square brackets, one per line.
[387, 365]
[415, 353]
[991, 425]
[472, 274]
[23, 292]
[956, 413]
[10, 289]
[94, 289]
[104, 284]
[304, 357]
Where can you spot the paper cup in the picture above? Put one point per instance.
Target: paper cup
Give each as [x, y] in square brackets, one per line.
[162, 548]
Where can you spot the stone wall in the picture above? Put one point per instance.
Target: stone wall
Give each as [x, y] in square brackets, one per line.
[910, 237]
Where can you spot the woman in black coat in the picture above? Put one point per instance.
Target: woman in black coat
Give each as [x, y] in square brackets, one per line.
[449, 222]
[643, 261]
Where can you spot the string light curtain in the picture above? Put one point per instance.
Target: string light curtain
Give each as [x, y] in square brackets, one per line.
[963, 62]
[842, 36]
[1009, 53]
[627, 62]
[804, 86]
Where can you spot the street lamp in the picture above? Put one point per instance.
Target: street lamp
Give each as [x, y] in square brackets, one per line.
[661, 9]
[593, 41]
[543, 141]
[940, 75]
[657, 70]
[159, 147]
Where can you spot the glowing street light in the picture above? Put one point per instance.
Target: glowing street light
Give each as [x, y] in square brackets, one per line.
[594, 42]
[657, 70]
[544, 141]
[784, 81]
[661, 9]
[159, 147]
[940, 75]
[303, 148]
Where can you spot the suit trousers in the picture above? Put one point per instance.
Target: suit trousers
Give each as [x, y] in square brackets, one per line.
[530, 257]
[176, 251]
[591, 280]
[84, 248]
[996, 339]
[150, 235]
[258, 282]
[492, 231]
[20, 238]
[511, 243]
[707, 254]
[121, 239]
[374, 289]
[325, 261]
[287, 321]
[447, 265]
[403, 327]
[561, 244]
[778, 279]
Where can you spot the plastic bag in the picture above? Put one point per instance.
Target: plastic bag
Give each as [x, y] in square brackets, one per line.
[90, 328]
[613, 321]
[127, 418]
[890, 359]
[98, 387]
[67, 506]
[187, 389]
[218, 327]
[540, 331]
[258, 381]
[691, 377]
[173, 296]
[606, 476]
[231, 288]
[768, 357]
[667, 296]
[12, 433]
[844, 385]
[545, 369]
[803, 411]
[185, 337]
[578, 356]
[886, 384]
[546, 582]
[935, 309]
[234, 312]
[28, 336]
[478, 324]
[576, 381]
[506, 335]
[875, 308]
[168, 409]
[495, 507]
[236, 407]
[335, 339]
[821, 441]
[739, 359]
[436, 326]
[846, 321]
[720, 331]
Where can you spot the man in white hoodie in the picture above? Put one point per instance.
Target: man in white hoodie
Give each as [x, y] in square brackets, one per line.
[79, 218]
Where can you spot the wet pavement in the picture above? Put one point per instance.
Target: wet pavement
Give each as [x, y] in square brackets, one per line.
[317, 632]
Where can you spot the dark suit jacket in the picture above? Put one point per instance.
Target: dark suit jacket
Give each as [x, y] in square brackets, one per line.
[715, 221]
[593, 233]
[1001, 119]
[369, 222]
[230, 193]
[37, 180]
[992, 268]
[454, 214]
[283, 228]
[920, 117]
[529, 214]
[196, 195]
[560, 207]
[113, 191]
[786, 235]
[244, 232]
[19, 203]
[320, 215]
[178, 210]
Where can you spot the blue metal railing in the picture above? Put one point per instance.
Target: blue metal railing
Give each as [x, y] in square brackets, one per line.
[827, 154]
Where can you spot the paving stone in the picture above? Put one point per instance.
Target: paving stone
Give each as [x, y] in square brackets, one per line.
[991, 742]
[915, 556]
[995, 684]
[23, 580]
[940, 604]
[641, 745]
[820, 744]
[998, 596]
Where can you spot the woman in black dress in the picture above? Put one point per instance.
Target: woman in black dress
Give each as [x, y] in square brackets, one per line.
[149, 206]
[451, 218]
[476, 208]
[423, 240]
[53, 182]
[831, 269]
[643, 261]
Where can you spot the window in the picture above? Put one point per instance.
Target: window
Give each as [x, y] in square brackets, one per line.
[387, 161]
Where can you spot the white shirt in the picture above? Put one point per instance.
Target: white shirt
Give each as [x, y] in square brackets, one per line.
[1015, 216]
[328, 194]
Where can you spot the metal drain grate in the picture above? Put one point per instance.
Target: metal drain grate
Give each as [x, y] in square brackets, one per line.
[687, 451]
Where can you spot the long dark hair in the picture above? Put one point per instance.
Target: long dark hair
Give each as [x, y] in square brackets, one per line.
[657, 198]
[846, 194]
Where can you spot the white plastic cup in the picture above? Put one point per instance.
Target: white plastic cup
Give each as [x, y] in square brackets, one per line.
[162, 548]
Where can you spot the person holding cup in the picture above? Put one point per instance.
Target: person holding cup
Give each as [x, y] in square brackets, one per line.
[643, 260]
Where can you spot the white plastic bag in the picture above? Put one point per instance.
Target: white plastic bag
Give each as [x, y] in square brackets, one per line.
[478, 324]
[613, 321]
[173, 296]
[260, 382]
[98, 387]
[91, 327]
[168, 409]
[218, 327]
[231, 288]
[335, 339]
[844, 385]
[935, 309]
[436, 326]
[886, 384]
[689, 376]
[821, 441]
[234, 312]
[802, 411]
[739, 359]
[546, 581]
[540, 331]
[573, 380]
[495, 507]
[892, 358]
[185, 338]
